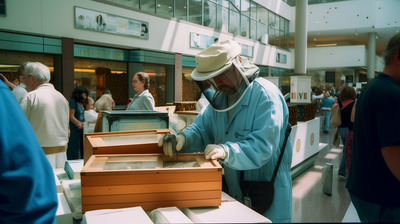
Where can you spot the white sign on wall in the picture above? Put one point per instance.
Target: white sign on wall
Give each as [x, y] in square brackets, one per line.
[92, 20]
[300, 89]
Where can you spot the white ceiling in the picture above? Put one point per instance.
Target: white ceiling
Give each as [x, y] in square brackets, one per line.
[346, 36]
[349, 37]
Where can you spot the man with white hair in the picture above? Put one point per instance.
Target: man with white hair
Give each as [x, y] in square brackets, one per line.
[244, 126]
[47, 111]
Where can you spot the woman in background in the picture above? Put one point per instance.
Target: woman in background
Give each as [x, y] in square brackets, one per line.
[347, 98]
[76, 119]
[143, 100]
[326, 104]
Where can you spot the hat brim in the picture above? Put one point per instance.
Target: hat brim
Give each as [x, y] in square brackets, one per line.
[201, 76]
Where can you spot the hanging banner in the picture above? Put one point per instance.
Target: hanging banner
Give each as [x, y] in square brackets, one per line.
[88, 19]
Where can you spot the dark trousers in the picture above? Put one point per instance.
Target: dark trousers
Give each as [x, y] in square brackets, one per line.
[372, 212]
[75, 144]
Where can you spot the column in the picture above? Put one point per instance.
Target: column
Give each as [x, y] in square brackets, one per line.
[371, 56]
[178, 78]
[67, 61]
[301, 28]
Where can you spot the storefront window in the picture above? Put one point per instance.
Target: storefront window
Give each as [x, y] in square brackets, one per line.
[148, 6]
[181, 9]
[165, 8]
[157, 86]
[253, 29]
[234, 20]
[10, 62]
[244, 29]
[284, 78]
[195, 11]
[282, 74]
[131, 3]
[190, 90]
[97, 75]
[210, 14]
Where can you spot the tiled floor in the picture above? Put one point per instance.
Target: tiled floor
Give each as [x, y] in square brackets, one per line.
[310, 203]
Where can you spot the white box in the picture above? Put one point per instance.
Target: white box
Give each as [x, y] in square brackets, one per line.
[60, 175]
[230, 211]
[300, 89]
[63, 214]
[72, 192]
[168, 215]
[73, 168]
[305, 140]
[120, 216]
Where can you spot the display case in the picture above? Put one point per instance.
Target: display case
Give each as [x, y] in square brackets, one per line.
[126, 120]
[150, 181]
[123, 142]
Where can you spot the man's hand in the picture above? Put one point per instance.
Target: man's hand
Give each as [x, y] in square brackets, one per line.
[215, 152]
[167, 146]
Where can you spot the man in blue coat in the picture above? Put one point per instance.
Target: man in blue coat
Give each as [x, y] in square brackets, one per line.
[243, 126]
[28, 191]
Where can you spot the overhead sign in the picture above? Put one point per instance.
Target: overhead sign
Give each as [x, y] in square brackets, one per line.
[92, 20]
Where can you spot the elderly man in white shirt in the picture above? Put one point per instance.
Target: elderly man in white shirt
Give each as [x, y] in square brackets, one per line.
[47, 111]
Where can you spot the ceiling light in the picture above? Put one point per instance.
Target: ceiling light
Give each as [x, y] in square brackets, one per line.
[325, 45]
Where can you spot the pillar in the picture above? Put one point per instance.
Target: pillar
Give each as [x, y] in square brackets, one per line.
[371, 56]
[178, 78]
[301, 28]
[67, 62]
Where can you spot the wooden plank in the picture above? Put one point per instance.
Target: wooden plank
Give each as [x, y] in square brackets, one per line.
[154, 205]
[161, 177]
[150, 188]
[151, 197]
[100, 172]
[155, 131]
[87, 150]
[128, 149]
[187, 157]
[94, 144]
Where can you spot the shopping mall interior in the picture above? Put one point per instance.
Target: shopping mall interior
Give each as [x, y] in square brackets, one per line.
[101, 44]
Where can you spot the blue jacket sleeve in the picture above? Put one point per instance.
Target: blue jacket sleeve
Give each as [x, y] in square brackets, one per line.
[27, 187]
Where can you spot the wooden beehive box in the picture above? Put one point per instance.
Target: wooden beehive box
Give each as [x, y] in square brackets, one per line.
[185, 106]
[150, 181]
[123, 142]
[306, 112]
[292, 114]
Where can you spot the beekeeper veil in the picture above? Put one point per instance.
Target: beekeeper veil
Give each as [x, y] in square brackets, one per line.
[223, 75]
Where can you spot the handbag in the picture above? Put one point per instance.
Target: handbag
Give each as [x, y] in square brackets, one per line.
[336, 139]
[336, 119]
[259, 195]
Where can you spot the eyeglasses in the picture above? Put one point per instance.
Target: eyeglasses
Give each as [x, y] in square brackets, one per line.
[221, 77]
